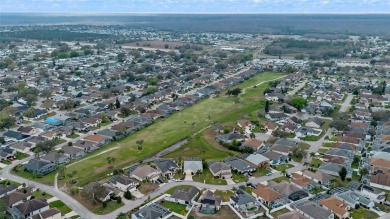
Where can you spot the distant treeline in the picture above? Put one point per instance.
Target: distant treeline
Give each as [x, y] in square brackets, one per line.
[54, 35]
[316, 49]
[366, 24]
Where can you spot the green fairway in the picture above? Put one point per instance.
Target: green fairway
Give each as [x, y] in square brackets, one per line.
[165, 132]
[198, 147]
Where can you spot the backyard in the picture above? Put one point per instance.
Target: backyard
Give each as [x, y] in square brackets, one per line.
[363, 213]
[175, 207]
[208, 178]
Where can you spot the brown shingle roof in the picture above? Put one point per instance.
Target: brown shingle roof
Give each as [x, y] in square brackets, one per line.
[95, 138]
[334, 204]
[266, 193]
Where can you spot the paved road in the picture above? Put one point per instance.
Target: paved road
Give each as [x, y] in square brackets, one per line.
[347, 103]
[297, 88]
[130, 205]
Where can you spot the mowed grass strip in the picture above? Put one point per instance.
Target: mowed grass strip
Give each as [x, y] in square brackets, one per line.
[165, 132]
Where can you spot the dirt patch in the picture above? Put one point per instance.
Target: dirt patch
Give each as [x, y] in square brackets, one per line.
[147, 187]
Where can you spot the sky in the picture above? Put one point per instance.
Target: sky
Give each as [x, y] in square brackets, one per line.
[197, 6]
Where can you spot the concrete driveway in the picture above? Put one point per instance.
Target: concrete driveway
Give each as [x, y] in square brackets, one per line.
[188, 177]
[230, 181]
[137, 194]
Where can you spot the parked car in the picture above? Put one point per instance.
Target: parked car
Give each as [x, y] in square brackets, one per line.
[269, 174]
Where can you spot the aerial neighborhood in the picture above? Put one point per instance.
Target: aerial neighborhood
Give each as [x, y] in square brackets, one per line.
[139, 123]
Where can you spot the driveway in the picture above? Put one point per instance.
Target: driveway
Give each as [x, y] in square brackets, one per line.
[188, 177]
[137, 194]
[346, 104]
[230, 181]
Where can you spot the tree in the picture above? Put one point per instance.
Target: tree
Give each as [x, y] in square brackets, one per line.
[125, 111]
[7, 122]
[117, 103]
[340, 125]
[119, 199]
[128, 195]
[236, 91]
[121, 57]
[74, 54]
[31, 99]
[140, 143]
[92, 192]
[266, 108]
[46, 94]
[343, 173]
[363, 171]
[299, 103]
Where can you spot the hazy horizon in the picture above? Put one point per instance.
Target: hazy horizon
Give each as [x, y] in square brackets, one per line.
[197, 6]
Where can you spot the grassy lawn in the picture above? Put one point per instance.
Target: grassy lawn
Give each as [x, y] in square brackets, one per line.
[260, 172]
[199, 147]
[363, 213]
[328, 144]
[106, 123]
[20, 155]
[225, 195]
[19, 171]
[147, 187]
[172, 190]
[73, 136]
[317, 190]
[315, 163]
[355, 163]
[111, 206]
[282, 167]
[60, 206]
[41, 194]
[280, 179]
[322, 150]
[6, 162]
[175, 207]
[237, 178]
[208, 178]
[166, 132]
[276, 214]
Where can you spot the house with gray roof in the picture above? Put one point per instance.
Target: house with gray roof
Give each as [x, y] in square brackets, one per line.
[314, 122]
[124, 183]
[355, 199]
[167, 166]
[29, 208]
[286, 142]
[312, 210]
[220, 169]
[192, 165]
[230, 137]
[184, 196]
[73, 152]
[6, 189]
[55, 158]
[275, 157]
[240, 165]
[244, 202]
[152, 211]
[257, 159]
[39, 167]
[330, 168]
[289, 190]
